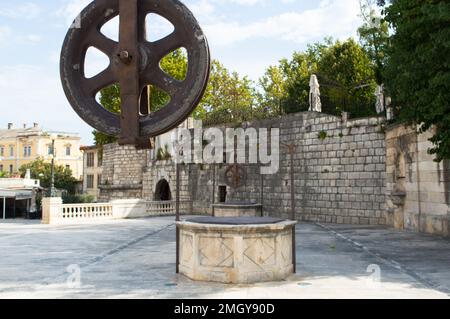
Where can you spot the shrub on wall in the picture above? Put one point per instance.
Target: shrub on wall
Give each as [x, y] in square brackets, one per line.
[78, 199]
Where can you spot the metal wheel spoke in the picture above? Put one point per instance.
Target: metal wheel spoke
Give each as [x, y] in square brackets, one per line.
[104, 79]
[104, 44]
[163, 81]
[159, 49]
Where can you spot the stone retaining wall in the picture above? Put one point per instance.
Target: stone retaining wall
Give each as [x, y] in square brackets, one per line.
[339, 172]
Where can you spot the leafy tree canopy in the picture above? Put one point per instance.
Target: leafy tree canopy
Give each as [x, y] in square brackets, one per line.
[273, 84]
[345, 74]
[418, 67]
[228, 98]
[41, 170]
[374, 36]
[345, 71]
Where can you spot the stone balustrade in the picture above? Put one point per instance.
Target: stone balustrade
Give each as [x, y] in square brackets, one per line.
[88, 212]
[168, 207]
[55, 212]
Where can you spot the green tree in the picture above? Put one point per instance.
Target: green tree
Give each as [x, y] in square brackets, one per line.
[228, 98]
[273, 84]
[418, 67]
[174, 64]
[110, 100]
[347, 79]
[345, 74]
[297, 72]
[41, 170]
[374, 37]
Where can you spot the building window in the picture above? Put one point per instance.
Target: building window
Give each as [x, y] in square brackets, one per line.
[90, 182]
[68, 150]
[2, 151]
[26, 151]
[1, 167]
[11, 151]
[90, 159]
[99, 179]
[11, 169]
[67, 167]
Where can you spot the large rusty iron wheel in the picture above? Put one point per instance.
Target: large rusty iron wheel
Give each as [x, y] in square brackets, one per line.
[134, 64]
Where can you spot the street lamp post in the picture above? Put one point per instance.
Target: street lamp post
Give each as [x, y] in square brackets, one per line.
[52, 186]
[4, 199]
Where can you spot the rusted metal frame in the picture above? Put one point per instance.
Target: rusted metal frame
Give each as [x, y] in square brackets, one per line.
[177, 217]
[262, 195]
[128, 71]
[293, 217]
[214, 191]
[235, 175]
[291, 149]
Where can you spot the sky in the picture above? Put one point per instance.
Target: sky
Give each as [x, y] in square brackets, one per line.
[247, 36]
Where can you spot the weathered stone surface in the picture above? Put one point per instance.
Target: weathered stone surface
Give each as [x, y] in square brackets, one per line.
[51, 209]
[423, 183]
[330, 174]
[236, 253]
[135, 258]
[237, 210]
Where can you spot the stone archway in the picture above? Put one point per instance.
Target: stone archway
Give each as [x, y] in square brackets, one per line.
[162, 191]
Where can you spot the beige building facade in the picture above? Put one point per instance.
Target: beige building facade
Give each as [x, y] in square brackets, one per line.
[20, 146]
[92, 170]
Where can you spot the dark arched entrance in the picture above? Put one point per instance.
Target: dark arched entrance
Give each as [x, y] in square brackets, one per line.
[162, 192]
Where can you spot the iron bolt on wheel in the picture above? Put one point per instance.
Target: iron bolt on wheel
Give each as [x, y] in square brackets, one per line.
[134, 63]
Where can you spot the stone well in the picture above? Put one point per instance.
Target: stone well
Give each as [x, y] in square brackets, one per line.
[236, 250]
[237, 209]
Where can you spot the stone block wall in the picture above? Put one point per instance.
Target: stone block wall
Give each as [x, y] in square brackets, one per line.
[157, 171]
[418, 188]
[122, 176]
[339, 172]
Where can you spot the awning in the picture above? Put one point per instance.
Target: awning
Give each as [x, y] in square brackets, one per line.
[18, 194]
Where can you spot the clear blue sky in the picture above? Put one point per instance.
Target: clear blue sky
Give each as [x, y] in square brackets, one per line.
[245, 35]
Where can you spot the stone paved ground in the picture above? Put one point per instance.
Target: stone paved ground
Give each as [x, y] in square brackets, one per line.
[135, 259]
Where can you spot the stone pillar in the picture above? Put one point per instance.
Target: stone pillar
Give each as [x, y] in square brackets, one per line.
[51, 210]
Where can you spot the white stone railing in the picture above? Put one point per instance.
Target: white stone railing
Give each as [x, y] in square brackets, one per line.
[87, 212]
[168, 207]
[55, 212]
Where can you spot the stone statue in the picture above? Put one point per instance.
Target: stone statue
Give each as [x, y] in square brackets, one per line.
[314, 95]
[379, 93]
[389, 109]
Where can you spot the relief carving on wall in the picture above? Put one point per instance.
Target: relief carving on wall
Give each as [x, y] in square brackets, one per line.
[216, 251]
[187, 249]
[259, 251]
[286, 249]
